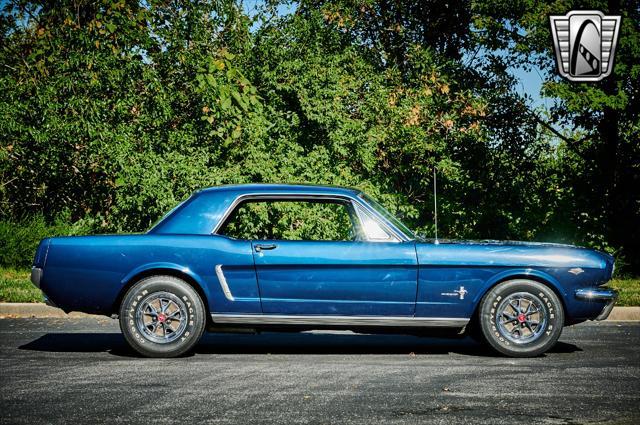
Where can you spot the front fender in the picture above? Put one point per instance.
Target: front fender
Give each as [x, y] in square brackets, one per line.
[439, 287]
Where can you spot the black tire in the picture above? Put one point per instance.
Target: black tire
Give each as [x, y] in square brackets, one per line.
[521, 337]
[176, 330]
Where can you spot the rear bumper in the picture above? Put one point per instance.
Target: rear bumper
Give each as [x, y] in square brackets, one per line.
[36, 276]
[607, 295]
[36, 279]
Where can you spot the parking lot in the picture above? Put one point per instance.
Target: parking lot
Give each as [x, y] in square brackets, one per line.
[80, 370]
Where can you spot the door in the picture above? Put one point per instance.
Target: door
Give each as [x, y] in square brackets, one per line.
[322, 257]
[336, 277]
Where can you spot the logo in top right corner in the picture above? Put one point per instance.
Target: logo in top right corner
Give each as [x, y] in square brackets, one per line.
[585, 43]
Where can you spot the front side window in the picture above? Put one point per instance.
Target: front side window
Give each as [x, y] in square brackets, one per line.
[291, 220]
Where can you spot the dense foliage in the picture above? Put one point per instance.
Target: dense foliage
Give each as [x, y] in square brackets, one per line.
[112, 111]
[291, 220]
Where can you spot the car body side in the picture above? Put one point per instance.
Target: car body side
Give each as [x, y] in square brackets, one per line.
[92, 273]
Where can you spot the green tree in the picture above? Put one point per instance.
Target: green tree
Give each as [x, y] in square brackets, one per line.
[599, 152]
[113, 111]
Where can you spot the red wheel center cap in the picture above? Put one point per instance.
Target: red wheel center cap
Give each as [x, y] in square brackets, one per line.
[521, 318]
[161, 318]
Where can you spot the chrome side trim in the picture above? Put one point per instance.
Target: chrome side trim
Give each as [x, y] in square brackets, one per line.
[596, 294]
[275, 319]
[223, 283]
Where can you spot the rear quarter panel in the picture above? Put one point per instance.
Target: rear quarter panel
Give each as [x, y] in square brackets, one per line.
[88, 273]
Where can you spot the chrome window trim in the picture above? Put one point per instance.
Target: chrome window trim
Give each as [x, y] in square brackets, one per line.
[277, 319]
[354, 202]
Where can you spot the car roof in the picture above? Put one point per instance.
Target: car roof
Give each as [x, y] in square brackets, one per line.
[207, 208]
[269, 188]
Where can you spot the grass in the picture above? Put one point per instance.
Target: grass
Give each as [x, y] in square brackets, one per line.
[629, 291]
[15, 287]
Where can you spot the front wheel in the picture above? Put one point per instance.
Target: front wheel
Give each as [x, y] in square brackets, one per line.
[162, 316]
[521, 318]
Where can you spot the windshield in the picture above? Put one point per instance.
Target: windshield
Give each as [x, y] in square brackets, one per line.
[386, 214]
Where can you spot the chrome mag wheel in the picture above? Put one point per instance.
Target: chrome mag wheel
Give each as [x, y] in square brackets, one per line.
[521, 317]
[161, 317]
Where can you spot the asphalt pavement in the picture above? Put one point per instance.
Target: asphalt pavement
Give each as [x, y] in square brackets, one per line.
[81, 371]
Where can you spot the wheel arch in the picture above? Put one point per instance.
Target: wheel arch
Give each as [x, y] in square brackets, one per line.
[528, 274]
[182, 273]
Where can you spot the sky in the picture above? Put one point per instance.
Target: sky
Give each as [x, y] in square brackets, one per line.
[530, 83]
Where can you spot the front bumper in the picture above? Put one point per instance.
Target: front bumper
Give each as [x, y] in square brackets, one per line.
[607, 295]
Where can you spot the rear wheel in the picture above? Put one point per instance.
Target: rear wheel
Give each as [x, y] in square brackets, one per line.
[162, 316]
[521, 318]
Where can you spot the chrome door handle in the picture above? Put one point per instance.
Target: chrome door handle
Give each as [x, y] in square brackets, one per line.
[265, 246]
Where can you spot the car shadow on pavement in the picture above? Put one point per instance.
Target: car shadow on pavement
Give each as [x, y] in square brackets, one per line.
[80, 342]
[307, 343]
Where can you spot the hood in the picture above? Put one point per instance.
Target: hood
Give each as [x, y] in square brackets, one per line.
[502, 243]
[511, 253]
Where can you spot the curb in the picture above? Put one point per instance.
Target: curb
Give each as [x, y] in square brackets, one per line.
[618, 314]
[22, 310]
[37, 310]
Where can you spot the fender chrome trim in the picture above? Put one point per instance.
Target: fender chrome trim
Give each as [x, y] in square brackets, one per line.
[596, 294]
[277, 319]
[223, 283]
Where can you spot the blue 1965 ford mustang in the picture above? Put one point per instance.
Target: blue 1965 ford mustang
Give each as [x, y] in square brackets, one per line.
[309, 257]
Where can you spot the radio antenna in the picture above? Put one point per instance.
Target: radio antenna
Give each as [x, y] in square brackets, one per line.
[435, 203]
